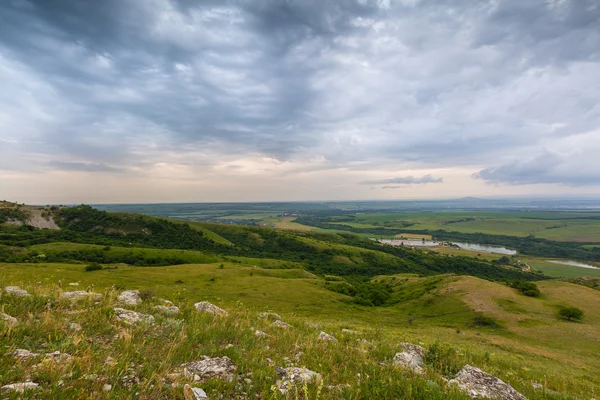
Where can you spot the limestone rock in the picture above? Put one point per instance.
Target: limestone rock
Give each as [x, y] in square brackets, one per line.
[80, 294]
[479, 384]
[16, 291]
[132, 317]
[351, 332]
[19, 387]
[8, 320]
[192, 393]
[326, 337]
[295, 376]
[281, 324]
[129, 297]
[210, 368]
[411, 357]
[269, 315]
[23, 354]
[74, 327]
[205, 306]
[167, 310]
[261, 334]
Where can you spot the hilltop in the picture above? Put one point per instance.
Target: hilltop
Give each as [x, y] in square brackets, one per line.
[370, 297]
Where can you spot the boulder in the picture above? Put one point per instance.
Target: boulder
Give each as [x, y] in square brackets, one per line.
[16, 291]
[19, 387]
[326, 337]
[8, 320]
[129, 297]
[74, 326]
[79, 295]
[293, 376]
[192, 393]
[411, 357]
[281, 324]
[269, 315]
[167, 310]
[261, 334]
[479, 384]
[205, 306]
[210, 368]
[132, 317]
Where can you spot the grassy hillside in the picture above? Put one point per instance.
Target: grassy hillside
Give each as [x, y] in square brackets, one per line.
[523, 340]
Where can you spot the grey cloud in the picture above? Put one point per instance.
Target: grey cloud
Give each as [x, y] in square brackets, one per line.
[357, 84]
[405, 180]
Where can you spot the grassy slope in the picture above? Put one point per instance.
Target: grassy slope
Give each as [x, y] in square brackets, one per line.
[532, 345]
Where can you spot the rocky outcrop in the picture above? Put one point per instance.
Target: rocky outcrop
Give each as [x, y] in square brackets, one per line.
[80, 295]
[351, 332]
[129, 297]
[23, 354]
[170, 311]
[326, 337]
[205, 306]
[19, 387]
[75, 327]
[411, 357]
[132, 317]
[479, 384]
[210, 368]
[293, 376]
[269, 315]
[8, 320]
[16, 291]
[281, 324]
[192, 393]
[261, 334]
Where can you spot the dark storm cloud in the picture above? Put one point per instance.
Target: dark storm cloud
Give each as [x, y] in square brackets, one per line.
[406, 180]
[355, 84]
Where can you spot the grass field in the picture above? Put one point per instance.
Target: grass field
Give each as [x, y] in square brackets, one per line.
[530, 343]
[556, 270]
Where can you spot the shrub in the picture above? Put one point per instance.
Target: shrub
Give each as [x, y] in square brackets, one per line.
[571, 313]
[527, 288]
[482, 320]
[93, 267]
[443, 358]
[146, 294]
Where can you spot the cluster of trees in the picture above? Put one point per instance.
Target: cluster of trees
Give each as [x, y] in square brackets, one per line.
[527, 288]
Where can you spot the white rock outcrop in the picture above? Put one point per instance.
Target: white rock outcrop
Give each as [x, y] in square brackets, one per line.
[210, 368]
[281, 324]
[19, 387]
[132, 317]
[193, 393]
[16, 291]
[79, 295]
[479, 384]
[8, 320]
[205, 306]
[130, 297]
[170, 311]
[411, 357]
[326, 337]
[293, 376]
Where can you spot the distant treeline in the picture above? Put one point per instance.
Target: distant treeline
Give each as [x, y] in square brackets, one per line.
[525, 245]
[323, 253]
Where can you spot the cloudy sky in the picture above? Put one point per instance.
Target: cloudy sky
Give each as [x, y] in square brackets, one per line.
[250, 100]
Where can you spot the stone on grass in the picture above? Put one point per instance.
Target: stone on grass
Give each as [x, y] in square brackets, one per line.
[210, 368]
[269, 315]
[326, 337]
[479, 384]
[293, 376]
[23, 354]
[16, 291]
[411, 357]
[167, 310]
[281, 324]
[106, 387]
[132, 317]
[351, 332]
[205, 306]
[261, 334]
[192, 393]
[80, 294]
[19, 387]
[129, 297]
[74, 327]
[8, 320]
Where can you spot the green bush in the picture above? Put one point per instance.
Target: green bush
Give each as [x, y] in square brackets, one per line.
[527, 288]
[571, 313]
[443, 358]
[484, 321]
[93, 267]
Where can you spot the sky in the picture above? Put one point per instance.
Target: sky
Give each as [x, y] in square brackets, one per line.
[121, 101]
